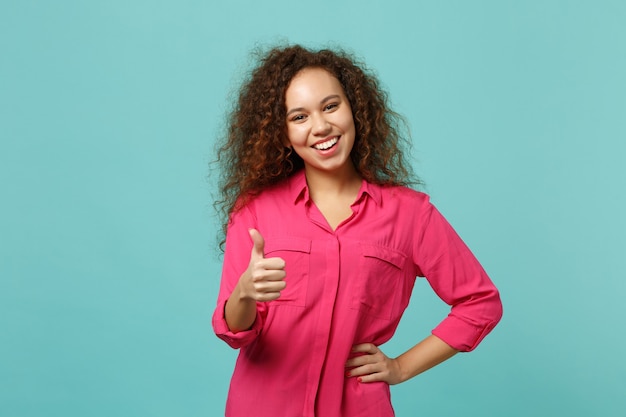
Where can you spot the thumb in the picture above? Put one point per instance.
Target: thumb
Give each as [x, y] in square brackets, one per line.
[258, 243]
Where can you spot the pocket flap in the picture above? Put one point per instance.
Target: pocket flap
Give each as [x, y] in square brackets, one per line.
[391, 256]
[291, 244]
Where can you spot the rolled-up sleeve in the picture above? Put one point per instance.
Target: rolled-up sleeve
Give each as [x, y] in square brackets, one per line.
[239, 339]
[457, 277]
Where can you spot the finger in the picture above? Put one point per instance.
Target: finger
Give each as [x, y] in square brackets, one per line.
[271, 263]
[360, 361]
[365, 348]
[261, 275]
[258, 244]
[371, 373]
[269, 286]
[376, 377]
[269, 296]
[364, 369]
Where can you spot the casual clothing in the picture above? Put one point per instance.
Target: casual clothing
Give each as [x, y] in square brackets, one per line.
[344, 287]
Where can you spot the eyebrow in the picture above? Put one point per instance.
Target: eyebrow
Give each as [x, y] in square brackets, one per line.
[324, 100]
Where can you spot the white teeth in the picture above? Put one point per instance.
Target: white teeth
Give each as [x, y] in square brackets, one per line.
[326, 145]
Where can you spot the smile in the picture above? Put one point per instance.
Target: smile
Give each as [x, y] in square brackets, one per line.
[322, 146]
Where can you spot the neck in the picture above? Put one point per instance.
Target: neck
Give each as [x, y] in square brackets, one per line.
[344, 181]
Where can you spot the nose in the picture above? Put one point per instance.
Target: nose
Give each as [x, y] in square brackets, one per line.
[320, 126]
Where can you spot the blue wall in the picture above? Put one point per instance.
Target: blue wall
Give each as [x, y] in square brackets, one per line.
[108, 262]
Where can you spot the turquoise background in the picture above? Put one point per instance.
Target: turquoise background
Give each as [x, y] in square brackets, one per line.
[108, 264]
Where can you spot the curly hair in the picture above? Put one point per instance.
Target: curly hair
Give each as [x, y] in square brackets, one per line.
[253, 155]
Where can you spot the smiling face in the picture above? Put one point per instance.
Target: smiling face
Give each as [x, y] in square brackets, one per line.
[320, 127]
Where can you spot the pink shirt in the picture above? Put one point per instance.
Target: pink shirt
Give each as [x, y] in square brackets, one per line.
[344, 287]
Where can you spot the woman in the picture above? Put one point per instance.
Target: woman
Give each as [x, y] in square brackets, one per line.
[324, 241]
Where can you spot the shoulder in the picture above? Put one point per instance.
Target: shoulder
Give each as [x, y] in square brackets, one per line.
[280, 194]
[399, 194]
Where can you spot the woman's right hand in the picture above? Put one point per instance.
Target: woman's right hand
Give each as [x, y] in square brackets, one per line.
[263, 280]
[265, 277]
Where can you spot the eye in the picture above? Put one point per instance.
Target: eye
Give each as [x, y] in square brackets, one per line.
[298, 118]
[331, 106]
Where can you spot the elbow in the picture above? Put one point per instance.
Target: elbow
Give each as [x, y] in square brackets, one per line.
[497, 309]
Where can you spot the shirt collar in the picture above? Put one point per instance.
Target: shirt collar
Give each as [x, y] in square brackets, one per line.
[299, 189]
[370, 189]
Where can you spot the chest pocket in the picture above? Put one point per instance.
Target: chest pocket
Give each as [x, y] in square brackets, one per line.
[296, 254]
[379, 281]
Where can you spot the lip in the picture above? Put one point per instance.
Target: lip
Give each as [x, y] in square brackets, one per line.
[338, 137]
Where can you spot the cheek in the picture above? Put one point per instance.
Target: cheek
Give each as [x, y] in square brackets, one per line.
[296, 136]
[350, 120]
[345, 120]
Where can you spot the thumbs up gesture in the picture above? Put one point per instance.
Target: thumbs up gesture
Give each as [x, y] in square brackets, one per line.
[265, 277]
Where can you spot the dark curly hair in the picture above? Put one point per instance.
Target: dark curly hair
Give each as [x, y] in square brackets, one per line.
[253, 156]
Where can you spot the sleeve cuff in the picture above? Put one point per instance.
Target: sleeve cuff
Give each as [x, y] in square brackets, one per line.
[239, 339]
[460, 334]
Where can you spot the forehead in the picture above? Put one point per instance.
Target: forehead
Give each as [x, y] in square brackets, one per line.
[311, 83]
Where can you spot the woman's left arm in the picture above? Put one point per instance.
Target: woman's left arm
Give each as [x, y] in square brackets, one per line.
[458, 279]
